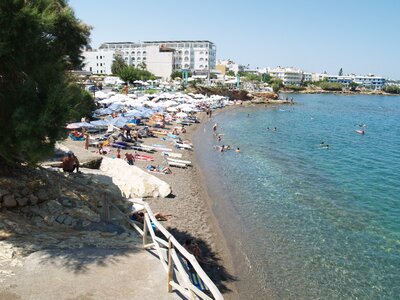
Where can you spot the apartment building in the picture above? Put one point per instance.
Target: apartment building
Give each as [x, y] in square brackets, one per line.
[371, 82]
[194, 55]
[289, 76]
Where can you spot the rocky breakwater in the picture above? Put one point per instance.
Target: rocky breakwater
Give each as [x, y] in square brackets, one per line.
[267, 98]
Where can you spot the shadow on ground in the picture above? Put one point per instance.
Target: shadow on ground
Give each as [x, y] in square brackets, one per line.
[214, 267]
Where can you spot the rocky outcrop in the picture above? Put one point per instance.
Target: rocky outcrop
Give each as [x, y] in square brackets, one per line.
[133, 181]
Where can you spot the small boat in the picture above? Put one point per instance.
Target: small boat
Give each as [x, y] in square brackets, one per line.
[360, 131]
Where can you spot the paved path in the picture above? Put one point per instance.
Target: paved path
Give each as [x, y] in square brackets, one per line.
[87, 273]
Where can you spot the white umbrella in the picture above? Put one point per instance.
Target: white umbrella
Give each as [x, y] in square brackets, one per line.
[181, 115]
[79, 125]
[172, 109]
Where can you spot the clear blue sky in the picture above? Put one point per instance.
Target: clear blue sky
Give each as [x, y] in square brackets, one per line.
[359, 36]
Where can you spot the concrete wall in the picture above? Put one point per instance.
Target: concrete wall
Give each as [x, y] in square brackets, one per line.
[159, 63]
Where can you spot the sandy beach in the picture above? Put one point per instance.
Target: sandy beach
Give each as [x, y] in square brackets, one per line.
[190, 209]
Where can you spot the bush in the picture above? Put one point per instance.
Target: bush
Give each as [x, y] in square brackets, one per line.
[392, 89]
[330, 86]
[294, 87]
[130, 74]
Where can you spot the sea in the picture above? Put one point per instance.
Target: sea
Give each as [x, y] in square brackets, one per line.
[301, 220]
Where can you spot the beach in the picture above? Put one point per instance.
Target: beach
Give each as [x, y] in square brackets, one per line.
[190, 209]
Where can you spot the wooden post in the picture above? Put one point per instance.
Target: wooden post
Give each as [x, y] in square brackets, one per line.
[145, 230]
[106, 209]
[170, 265]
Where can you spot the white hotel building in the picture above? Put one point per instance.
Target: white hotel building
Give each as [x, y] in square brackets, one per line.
[160, 57]
[289, 76]
[369, 82]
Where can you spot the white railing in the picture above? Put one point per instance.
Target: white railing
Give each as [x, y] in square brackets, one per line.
[171, 254]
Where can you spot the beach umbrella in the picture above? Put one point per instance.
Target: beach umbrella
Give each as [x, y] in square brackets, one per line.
[99, 123]
[79, 125]
[172, 109]
[101, 95]
[133, 113]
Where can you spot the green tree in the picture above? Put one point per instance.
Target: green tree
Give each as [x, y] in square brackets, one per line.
[176, 74]
[353, 86]
[118, 64]
[330, 86]
[39, 41]
[392, 89]
[130, 74]
[341, 72]
[276, 84]
[230, 73]
[142, 65]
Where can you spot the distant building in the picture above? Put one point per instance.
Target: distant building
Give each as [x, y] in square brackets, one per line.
[369, 82]
[98, 61]
[289, 76]
[225, 65]
[307, 76]
[318, 76]
[197, 56]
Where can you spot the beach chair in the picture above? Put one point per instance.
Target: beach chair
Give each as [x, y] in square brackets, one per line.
[197, 282]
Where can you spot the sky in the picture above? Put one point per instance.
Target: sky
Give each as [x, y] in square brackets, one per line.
[360, 36]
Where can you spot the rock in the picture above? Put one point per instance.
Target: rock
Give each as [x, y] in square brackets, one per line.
[85, 213]
[68, 221]
[25, 191]
[60, 219]
[54, 206]
[22, 201]
[3, 193]
[49, 219]
[33, 199]
[66, 202]
[86, 223]
[133, 181]
[9, 201]
[42, 196]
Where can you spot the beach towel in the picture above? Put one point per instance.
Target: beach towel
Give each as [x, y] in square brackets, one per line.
[197, 282]
[74, 138]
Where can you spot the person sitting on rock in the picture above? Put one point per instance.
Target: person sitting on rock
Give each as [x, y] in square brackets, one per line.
[70, 163]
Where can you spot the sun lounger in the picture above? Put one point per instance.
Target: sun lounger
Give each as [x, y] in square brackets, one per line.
[176, 164]
[186, 162]
[172, 154]
[74, 138]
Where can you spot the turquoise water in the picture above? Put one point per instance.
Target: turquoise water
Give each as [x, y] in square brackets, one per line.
[305, 222]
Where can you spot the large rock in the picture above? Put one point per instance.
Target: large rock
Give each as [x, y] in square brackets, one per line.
[9, 201]
[133, 181]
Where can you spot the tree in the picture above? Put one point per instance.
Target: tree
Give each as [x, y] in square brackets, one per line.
[130, 74]
[40, 40]
[230, 73]
[341, 72]
[118, 64]
[142, 65]
[176, 74]
[392, 89]
[277, 84]
[353, 86]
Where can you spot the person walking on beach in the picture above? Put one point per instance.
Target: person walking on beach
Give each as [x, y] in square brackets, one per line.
[86, 135]
[215, 128]
[129, 158]
[118, 153]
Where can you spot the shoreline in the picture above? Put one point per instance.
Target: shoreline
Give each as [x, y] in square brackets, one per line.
[193, 217]
[344, 93]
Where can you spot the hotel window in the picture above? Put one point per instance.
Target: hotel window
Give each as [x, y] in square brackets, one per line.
[138, 58]
[144, 52]
[138, 53]
[186, 52]
[133, 58]
[186, 66]
[201, 59]
[144, 58]
[133, 52]
[201, 66]
[186, 58]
